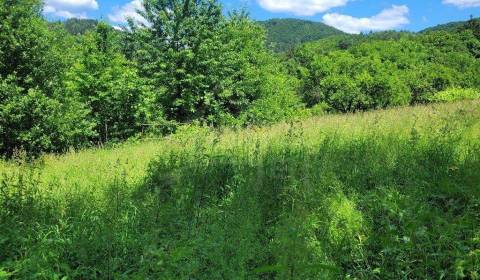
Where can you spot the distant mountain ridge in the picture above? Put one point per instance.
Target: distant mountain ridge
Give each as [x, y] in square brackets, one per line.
[77, 26]
[285, 34]
[282, 34]
[449, 27]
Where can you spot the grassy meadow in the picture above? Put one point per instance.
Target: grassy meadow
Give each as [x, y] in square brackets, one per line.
[388, 194]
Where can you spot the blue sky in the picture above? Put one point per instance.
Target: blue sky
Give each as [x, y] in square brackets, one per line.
[352, 16]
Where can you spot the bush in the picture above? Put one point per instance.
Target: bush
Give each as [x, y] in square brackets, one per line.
[108, 85]
[379, 72]
[455, 94]
[278, 100]
[318, 110]
[36, 113]
[36, 123]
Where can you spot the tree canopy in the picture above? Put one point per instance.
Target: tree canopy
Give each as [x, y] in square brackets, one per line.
[82, 82]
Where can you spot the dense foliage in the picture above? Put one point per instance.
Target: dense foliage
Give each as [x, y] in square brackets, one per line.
[381, 195]
[36, 114]
[388, 194]
[382, 70]
[82, 82]
[104, 80]
[77, 26]
[201, 65]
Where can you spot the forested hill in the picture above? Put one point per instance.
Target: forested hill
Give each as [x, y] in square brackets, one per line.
[449, 27]
[76, 26]
[284, 34]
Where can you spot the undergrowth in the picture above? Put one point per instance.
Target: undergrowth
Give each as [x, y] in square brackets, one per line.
[296, 203]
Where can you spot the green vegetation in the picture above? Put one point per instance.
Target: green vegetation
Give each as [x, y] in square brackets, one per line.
[285, 34]
[184, 148]
[77, 26]
[104, 80]
[36, 114]
[191, 64]
[456, 94]
[379, 71]
[376, 195]
[449, 27]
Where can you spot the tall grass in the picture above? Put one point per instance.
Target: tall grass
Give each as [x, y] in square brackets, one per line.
[379, 195]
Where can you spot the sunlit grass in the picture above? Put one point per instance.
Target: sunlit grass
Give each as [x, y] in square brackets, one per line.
[387, 194]
[96, 168]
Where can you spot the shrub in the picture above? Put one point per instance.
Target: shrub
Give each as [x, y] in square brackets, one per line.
[36, 113]
[376, 72]
[108, 85]
[278, 101]
[36, 123]
[455, 94]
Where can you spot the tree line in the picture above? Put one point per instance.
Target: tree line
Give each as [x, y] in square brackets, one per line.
[188, 62]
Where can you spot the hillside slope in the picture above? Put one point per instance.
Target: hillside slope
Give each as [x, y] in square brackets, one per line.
[77, 26]
[284, 34]
[376, 195]
[449, 27]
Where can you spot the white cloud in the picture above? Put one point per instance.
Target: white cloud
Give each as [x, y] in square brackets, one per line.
[387, 19]
[67, 14]
[301, 7]
[73, 4]
[463, 3]
[129, 10]
[69, 8]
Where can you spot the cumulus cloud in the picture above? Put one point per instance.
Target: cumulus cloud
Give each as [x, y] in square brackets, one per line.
[69, 8]
[119, 28]
[120, 14]
[67, 14]
[463, 3]
[301, 7]
[387, 19]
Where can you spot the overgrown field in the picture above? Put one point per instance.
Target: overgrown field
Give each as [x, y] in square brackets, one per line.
[379, 195]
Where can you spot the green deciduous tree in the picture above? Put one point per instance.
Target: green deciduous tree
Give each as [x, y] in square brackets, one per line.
[384, 70]
[202, 65]
[179, 47]
[36, 114]
[108, 84]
